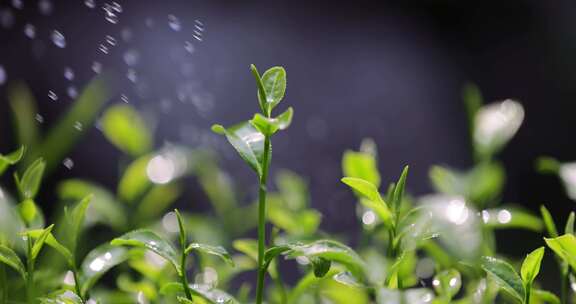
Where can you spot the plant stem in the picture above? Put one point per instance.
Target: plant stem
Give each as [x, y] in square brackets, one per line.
[30, 273]
[3, 284]
[262, 220]
[77, 284]
[183, 277]
[527, 294]
[564, 284]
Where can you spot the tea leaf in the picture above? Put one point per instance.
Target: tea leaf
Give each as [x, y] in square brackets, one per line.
[361, 165]
[511, 217]
[504, 275]
[147, 239]
[10, 159]
[447, 283]
[24, 109]
[247, 141]
[218, 251]
[261, 91]
[548, 222]
[76, 220]
[274, 85]
[10, 258]
[52, 242]
[62, 297]
[565, 247]
[545, 296]
[99, 261]
[134, 181]
[373, 199]
[123, 127]
[399, 189]
[569, 229]
[39, 243]
[531, 266]
[30, 181]
[28, 211]
[490, 137]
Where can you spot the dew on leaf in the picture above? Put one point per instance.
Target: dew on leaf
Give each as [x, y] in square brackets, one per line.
[58, 39]
[69, 278]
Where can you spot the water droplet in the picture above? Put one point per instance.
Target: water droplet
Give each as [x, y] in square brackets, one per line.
[58, 39]
[6, 18]
[116, 7]
[97, 67]
[45, 7]
[17, 4]
[368, 217]
[111, 17]
[504, 216]
[189, 47]
[78, 126]
[69, 278]
[72, 92]
[2, 75]
[68, 163]
[149, 22]
[111, 40]
[39, 118]
[90, 3]
[97, 264]
[124, 98]
[161, 169]
[52, 95]
[29, 31]
[131, 57]
[126, 34]
[174, 23]
[131, 75]
[103, 48]
[68, 73]
[170, 222]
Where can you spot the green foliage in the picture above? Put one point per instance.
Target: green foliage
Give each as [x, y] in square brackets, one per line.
[124, 127]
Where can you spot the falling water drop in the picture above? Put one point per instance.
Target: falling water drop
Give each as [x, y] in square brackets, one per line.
[124, 98]
[58, 39]
[110, 15]
[110, 40]
[17, 4]
[131, 75]
[78, 126]
[29, 31]
[174, 23]
[39, 118]
[131, 57]
[45, 7]
[90, 3]
[103, 48]
[68, 163]
[2, 75]
[97, 67]
[52, 95]
[72, 92]
[189, 47]
[6, 18]
[68, 73]
[116, 7]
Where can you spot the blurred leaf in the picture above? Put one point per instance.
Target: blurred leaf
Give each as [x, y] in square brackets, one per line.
[135, 181]
[447, 283]
[412, 296]
[62, 137]
[61, 297]
[10, 220]
[566, 173]
[473, 102]
[373, 200]
[124, 127]
[531, 266]
[75, 220]
[158, 199]
[545, 296]
[28, 211]
[30, 181]
[505, 276]
[510, 217]
[205, 292]
[151, 241]
[10, 258]
[332, 251]
[103, 207]
[99, 261]
[569, 229]
[52, 242]
[399, 189]
[565, 247]
[304, 222]
[10, 159]
[548, 222]
[24, 112]
[547, 165]
[361, 165]
[495, 124]
[39, 243]
[247, 141]
[247, 246]
[218, 251]
[293, 189]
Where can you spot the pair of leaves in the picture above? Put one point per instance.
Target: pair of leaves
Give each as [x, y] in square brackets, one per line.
[29, 184]
[508, 279]
[371, 198]
[10, 159]
[271, 87]
[565, 247]
[269, 126]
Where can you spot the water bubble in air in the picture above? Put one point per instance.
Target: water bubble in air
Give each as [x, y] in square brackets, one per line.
[29, 31]
[174, 23]
[58, 39]
[78, 126]
[96, 67]
[52, 95]
[68, 73]
[90, 3]
[68, 163]
[39, 118]
[2, 75]
[45, 7]
[72, 92]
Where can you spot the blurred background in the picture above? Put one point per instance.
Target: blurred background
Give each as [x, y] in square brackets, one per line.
[389, 70]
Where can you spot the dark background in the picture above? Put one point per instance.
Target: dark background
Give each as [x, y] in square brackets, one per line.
[390, 70]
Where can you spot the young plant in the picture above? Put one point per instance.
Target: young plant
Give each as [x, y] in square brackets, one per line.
[252, 140]
[147, 239]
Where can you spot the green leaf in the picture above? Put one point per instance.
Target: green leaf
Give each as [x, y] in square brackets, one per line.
[183, 300]
[531, 266]
[361, 165]
[10, 258]
[248, 247]
[24, 110]
[147, 239]
[473, 101]
[61, 297]
[134, 181]
[99, 261]
[39, 243]
[547, 165]
[373, 200]
[52, 242]
[269, 126]
[321, 266]
[545, 296]
[248, 142]
[447, 283]
[76, 221]
[504, 275]
[399, 189]
[293, 189]
[157, 200]
[548, 222]
[274, 85]
[28, 211]
[565, 247]
[124, 127]
[261, 91]
[332, 251]
[210, 295]
[218, 251]
[569, 229]
[10, 159]
[30, 181]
